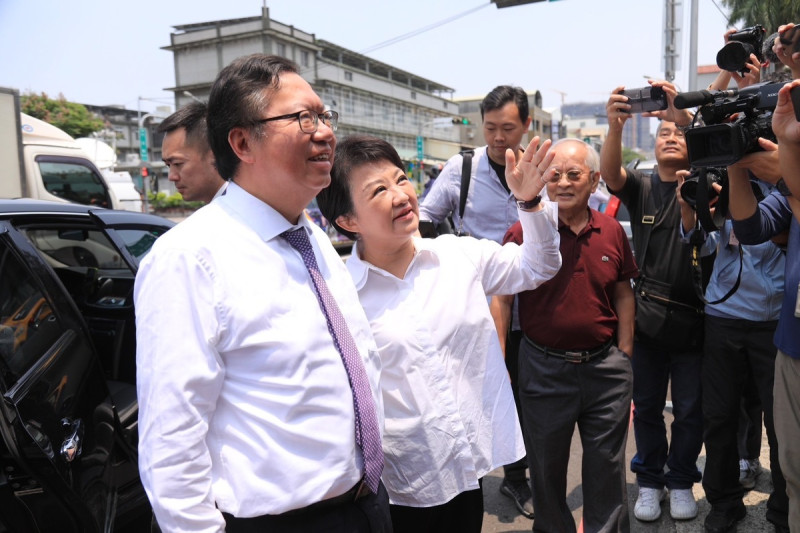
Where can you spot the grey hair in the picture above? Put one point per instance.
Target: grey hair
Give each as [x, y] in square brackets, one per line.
[592, 157]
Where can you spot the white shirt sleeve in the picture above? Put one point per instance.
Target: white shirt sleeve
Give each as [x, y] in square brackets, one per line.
[179, 380]
[512, 268]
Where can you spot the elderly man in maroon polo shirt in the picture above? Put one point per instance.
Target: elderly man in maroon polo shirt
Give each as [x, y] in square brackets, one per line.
[574, 361]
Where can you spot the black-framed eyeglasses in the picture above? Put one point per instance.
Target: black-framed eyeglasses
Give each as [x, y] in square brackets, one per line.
[308, 120]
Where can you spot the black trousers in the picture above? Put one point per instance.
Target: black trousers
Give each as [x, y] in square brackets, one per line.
[596, 396]
[370, 514]
[462, 514]
[516, 470]
[734, 350]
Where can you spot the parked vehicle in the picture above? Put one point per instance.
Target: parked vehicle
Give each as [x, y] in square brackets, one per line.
[68, 415]
[38, 160]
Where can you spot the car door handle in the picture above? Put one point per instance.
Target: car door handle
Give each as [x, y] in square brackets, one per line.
[71, 447]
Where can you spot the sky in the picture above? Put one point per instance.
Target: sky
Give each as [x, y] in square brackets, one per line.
[108, 52]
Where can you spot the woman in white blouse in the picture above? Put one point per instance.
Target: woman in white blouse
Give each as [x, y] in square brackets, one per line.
[449, 412]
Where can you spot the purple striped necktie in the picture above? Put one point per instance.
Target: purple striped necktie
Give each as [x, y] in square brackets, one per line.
[367, 433]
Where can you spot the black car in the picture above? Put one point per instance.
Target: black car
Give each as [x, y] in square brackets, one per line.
[68, 418]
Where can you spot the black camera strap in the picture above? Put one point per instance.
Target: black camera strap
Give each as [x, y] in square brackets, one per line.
[696, 241]
[709, 222]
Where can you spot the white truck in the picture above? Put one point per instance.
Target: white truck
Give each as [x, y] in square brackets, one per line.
[38, 160]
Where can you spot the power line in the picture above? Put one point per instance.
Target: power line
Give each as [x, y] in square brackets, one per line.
[424, 29]
[719, 9]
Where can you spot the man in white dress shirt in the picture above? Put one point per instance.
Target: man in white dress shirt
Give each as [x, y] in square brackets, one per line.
[188, 156]
[247, 417]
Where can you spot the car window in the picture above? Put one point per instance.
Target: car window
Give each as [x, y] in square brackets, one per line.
[28, 326]
[72, 247]
[138, 242]
[74, 182]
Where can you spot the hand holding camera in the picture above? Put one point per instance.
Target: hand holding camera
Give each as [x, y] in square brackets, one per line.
[785, 118]
[786, 47]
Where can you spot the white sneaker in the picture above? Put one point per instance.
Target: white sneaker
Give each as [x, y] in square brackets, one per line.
[682, 505]
[648, 504]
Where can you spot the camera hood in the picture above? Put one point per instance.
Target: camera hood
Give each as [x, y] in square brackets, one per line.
[734, 55]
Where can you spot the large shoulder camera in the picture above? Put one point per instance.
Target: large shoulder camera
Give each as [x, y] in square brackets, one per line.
[734, 121]
[734, 56]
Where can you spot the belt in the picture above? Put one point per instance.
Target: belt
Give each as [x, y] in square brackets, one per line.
[578, 356]
[359, 490]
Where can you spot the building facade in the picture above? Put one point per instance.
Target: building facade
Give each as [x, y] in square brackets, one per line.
[588, 121]
[409, 111]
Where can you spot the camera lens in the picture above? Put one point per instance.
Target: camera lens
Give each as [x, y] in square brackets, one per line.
[689, 191]
[734, 55]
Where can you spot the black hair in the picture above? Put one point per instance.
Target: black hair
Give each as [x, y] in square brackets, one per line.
[192, 118]
[335, 200]
[236, 99]
[503, 94]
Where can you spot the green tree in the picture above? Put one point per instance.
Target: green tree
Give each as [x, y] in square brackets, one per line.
[629, 155]
[73, 118]
[768, 13]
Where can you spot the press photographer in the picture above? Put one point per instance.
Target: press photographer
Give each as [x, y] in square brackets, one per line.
[743, 296]
[754, 223]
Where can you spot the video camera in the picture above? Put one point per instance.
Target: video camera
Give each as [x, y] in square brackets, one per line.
[722, 142]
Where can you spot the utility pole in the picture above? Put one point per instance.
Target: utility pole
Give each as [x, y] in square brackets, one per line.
[671, 34]
[693, 46]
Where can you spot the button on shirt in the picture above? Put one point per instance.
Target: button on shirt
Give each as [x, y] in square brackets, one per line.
[244, 402]
[449, 411]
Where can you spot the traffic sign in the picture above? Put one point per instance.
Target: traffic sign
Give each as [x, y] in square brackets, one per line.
[420, 151]
[143, 144]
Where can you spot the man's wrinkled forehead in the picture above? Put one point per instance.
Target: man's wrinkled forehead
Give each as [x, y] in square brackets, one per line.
[665, 124]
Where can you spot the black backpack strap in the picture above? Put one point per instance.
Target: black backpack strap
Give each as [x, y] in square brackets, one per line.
[466, 175]
[644, 217]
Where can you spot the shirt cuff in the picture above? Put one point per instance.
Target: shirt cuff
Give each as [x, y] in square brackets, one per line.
[542, 225]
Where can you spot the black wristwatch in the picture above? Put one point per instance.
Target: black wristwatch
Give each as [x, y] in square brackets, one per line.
[783, 188]
[526, 205]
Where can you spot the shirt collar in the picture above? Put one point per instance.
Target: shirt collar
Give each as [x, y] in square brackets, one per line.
[360, 269]
[590, 224]
[255, 214]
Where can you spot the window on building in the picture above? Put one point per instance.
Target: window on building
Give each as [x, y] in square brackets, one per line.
[348, 75]
[413, 95]
[305, 59]
[349, 104]
[280, 49]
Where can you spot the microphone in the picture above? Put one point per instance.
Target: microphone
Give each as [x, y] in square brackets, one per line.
[698, 98]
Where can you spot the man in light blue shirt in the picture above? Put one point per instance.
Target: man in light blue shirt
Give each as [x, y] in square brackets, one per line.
[737, 346]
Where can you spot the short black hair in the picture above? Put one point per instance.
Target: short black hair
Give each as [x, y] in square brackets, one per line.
[236, 99]
[335, 200]
[192, 118]
[503, 94]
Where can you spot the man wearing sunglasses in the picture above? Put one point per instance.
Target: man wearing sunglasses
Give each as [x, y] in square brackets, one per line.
[260, 408]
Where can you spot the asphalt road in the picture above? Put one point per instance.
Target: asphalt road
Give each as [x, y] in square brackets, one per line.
[500, 515]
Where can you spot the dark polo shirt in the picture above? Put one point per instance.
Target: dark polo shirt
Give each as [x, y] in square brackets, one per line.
[575, 309]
